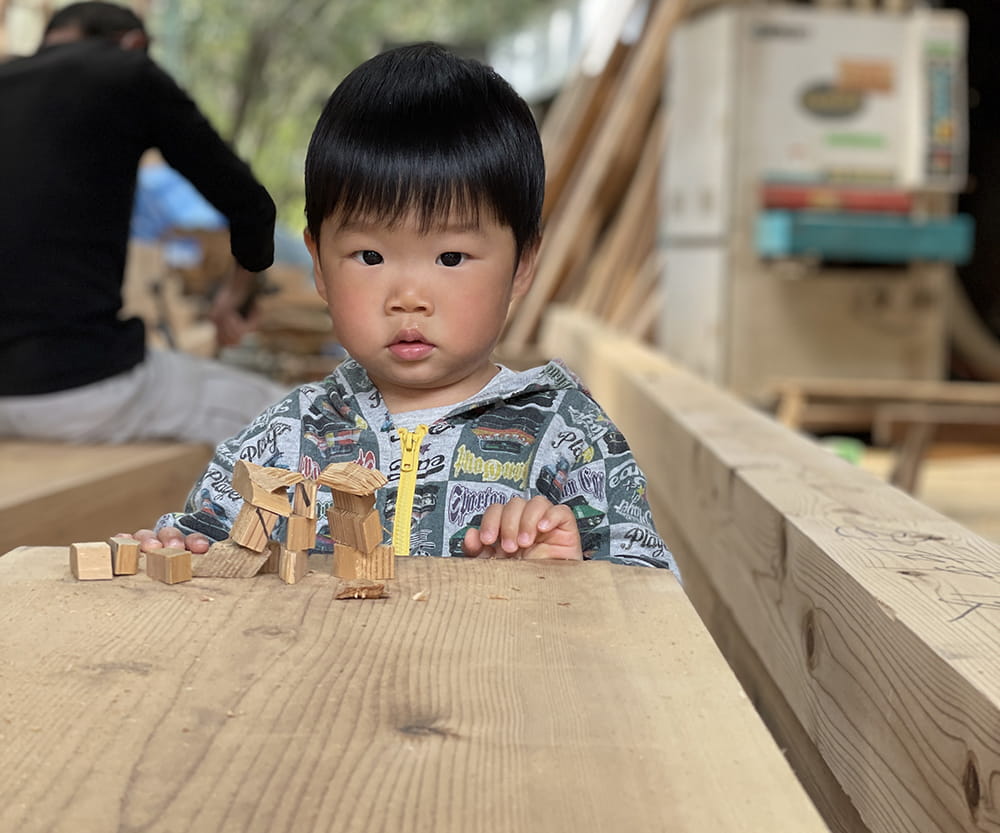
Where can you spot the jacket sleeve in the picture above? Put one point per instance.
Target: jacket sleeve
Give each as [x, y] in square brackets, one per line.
[273, 439]
[585, 462]
[191, 145]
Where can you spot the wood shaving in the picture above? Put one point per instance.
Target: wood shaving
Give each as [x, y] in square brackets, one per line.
[360, 588]
[420, 596]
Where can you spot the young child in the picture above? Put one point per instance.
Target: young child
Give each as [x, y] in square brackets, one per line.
[424, 185]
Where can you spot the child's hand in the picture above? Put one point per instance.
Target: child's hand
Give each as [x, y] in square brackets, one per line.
[170, 536]
[522, 528]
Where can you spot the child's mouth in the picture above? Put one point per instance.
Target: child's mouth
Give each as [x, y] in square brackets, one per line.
[410, 347]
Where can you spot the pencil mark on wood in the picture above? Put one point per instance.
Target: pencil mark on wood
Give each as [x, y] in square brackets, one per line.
[141, 668]
[960, 577]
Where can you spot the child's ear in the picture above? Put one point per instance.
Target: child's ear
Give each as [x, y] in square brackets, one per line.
[313, 248]
[524, 275]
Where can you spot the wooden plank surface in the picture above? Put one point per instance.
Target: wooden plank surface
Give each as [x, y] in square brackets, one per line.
[55, 493]
[519, 696]
[877, 618]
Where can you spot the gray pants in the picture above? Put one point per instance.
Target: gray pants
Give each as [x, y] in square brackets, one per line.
[170, 395]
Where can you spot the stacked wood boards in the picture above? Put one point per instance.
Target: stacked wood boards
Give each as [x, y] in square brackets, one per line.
[603, 140]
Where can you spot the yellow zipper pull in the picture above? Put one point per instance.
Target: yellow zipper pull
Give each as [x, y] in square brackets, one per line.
[409, 442]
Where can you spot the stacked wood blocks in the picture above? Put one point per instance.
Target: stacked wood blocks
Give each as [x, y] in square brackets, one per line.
[250, 549]
[355, 525]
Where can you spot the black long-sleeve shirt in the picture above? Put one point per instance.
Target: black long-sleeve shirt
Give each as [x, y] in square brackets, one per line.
[74, 121]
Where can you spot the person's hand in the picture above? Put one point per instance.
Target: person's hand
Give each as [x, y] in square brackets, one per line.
[171, 537]
[232, 307]
[520, 528]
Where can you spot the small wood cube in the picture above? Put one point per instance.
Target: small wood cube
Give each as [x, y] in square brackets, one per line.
[362, 532]
[170, 566]
[124, 555]
[358, 504]
[252, 527]
[293, 565]
[304, 499]
[274, 549]
[300, 533]
[351, 563]
[90, 560]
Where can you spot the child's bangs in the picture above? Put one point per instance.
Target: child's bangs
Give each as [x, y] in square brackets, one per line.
[390, 197]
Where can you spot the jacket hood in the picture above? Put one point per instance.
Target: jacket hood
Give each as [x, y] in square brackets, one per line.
[352, 392]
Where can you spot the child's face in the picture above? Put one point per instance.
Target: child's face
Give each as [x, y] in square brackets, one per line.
[421, 311]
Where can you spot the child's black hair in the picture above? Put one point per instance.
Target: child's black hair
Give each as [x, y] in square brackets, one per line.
[418, 128]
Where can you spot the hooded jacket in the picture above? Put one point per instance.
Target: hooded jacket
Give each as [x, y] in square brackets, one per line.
[536, 432]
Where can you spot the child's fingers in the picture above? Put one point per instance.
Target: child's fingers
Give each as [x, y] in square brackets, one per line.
[172, 537]
[490, 527]
[148, 540]
[535, 519]
[514, 526]
[517, 519]
[557, 535]
[473, 546]
[196, 543]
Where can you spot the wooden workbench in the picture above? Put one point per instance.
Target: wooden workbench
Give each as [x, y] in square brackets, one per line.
[519, 696]
[58, 493]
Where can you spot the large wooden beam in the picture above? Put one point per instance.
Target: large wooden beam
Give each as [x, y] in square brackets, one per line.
[480, 695]
[875, 617]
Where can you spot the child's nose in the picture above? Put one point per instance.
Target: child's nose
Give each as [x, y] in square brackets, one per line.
[410, 296]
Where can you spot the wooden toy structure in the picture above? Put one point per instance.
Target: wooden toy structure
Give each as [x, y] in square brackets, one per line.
[354, 522]
[355, 527]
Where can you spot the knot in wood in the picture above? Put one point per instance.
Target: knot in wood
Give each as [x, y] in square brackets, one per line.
[809, 638]
[970, 784]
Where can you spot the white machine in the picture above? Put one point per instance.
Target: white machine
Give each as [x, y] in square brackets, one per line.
[812, 161]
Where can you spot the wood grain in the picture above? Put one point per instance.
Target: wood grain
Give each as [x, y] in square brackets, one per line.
[512, 696]
[877, 618]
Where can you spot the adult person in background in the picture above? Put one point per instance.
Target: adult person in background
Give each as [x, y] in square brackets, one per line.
[75, 118]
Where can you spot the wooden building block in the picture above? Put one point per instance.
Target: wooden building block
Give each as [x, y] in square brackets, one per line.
[363, 532]
[273, 551]
[252, 527]
[124, 555]
[358, 504]
[352, 478]
[292, 565]
[304, 498]
[169, 565]
[90, 560]
[350, 563]
[227, 559]
[300, 534]
[265, 487]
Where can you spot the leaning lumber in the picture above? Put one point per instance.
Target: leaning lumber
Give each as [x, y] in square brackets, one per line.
[874, 618]
[603, 174]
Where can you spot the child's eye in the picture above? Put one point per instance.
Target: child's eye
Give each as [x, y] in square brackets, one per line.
[451, 258]
[369, 257]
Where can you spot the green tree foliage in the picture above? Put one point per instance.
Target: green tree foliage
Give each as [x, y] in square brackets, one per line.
[262, 69]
